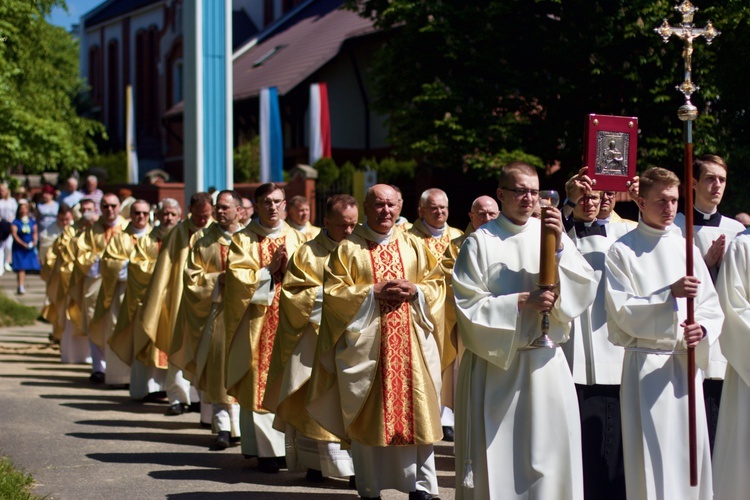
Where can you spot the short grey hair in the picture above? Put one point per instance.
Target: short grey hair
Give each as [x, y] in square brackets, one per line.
[431, 192]
[170, 203]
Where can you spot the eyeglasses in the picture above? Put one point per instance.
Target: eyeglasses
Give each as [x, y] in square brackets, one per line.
[140, 213]
[608, 194]
[104, 205]
[520, 192]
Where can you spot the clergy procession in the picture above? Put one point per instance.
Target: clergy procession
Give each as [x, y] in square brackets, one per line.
[350, 350]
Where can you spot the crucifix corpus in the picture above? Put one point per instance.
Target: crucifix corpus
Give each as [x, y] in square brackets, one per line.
[687, 31]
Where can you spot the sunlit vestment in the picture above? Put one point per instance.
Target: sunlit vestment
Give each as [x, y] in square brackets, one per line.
[154, 327]
[732, 447]
[517, 422]
[56, 272]
[308, 445]
[113, 268]
[377, 380]
[144, 379]
[308, 231]
[87, 278]
[452, 336]
[644, 317]
[438, 242]
[251, 314]
[201, 317]
[703, 236]
[593, 359]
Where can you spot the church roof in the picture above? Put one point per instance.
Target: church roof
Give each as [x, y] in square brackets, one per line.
[296, 48]
[288, 52]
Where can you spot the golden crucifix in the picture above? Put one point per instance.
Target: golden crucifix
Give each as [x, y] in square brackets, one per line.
[687, 32]
[687, 113]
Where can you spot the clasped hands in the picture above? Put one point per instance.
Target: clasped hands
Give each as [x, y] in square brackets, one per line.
[395, 291]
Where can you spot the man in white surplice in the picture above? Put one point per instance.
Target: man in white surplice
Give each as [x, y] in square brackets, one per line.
[712, 234]
[518, 432]
[730, 460]
[646, 313]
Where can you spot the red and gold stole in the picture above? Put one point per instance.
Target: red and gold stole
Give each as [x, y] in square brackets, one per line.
[267, 247]
[437, 246]
[395, 348]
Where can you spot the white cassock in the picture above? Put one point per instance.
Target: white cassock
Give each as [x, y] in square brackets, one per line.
[644, 317]
[732, 447]
[703, 236]
[593, 359]
[517, 419]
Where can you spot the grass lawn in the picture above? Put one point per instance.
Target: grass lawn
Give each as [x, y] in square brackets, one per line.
[14, 485]
[14, 314]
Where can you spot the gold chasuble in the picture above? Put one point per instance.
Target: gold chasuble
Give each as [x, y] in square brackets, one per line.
[251, 323]
[201, 314]
[56, 272]
[154, 326]
[438, 246]
[308, 231]
[116, 254]
[85, 283]
[140, 268]
[377, 376]
[453, 345]
[296, 337]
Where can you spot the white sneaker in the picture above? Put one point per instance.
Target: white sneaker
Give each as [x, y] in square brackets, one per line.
[8, 267]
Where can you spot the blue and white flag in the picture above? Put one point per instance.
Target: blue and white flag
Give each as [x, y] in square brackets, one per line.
[271, 144]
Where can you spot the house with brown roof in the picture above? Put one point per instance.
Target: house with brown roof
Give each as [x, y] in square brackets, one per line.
[283, 43]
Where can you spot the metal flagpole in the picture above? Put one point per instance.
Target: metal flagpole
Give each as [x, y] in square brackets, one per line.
[688, 113]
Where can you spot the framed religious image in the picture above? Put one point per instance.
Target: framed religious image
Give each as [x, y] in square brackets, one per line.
[610, 145]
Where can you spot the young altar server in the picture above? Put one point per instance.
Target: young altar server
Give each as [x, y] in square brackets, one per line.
[646, 314]
[518, 432]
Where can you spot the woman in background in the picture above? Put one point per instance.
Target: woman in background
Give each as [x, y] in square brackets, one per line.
[25, 236]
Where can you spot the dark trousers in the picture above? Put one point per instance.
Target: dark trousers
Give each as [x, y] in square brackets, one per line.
[712, 398]
[601, 436]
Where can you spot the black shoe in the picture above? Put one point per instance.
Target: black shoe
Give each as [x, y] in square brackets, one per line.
[97, 378]
[352, 483]
[194, 407]
[421, 495]
[235, 440]
[176, 409]
[370, 498]
[314, 476]
[155, 397]
[222, 441]
[268, 465]
[448, 434]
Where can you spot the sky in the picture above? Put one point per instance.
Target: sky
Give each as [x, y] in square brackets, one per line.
[76, 8]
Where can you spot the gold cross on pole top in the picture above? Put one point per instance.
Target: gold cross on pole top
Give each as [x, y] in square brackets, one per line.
[687, 32]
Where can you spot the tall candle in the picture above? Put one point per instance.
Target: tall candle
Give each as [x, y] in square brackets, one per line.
[547, 254]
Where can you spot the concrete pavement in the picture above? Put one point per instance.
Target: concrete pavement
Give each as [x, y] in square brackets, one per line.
[81, 441]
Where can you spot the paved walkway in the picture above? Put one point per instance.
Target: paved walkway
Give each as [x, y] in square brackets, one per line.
[80, 441]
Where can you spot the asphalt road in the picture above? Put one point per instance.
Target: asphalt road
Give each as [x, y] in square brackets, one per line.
[81, 441]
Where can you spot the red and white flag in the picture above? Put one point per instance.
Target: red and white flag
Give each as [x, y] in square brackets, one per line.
[320, 123]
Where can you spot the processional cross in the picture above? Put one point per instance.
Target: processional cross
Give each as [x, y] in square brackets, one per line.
[688, 113]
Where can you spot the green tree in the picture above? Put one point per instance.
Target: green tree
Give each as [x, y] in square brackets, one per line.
[247, 161]
[39, 85]
[469, 84]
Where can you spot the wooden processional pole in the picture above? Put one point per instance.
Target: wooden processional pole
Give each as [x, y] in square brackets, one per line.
[688, 113]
